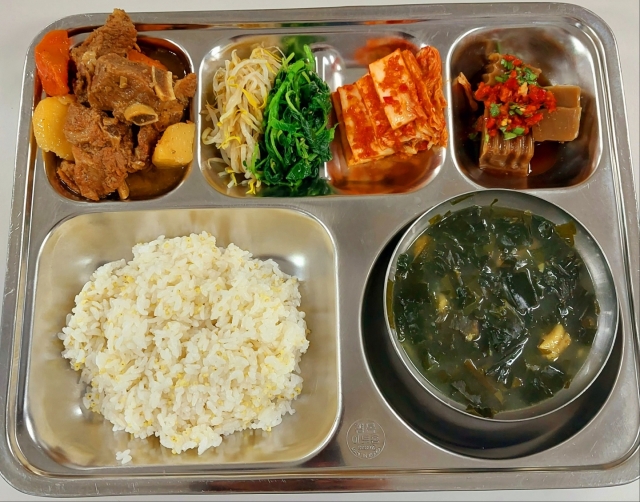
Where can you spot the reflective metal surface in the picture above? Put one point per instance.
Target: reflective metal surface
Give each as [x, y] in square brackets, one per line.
[516, 432]
[463, 433]
[367, 435]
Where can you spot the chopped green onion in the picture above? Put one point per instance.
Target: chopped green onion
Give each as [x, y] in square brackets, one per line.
[518, 130]
[502, 78]
[509, 135]
[494, 109]
[473, 136]
[530, 76]
[507, 64]
[515, 109]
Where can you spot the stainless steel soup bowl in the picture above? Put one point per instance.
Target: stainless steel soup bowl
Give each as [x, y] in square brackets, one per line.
[605, 292]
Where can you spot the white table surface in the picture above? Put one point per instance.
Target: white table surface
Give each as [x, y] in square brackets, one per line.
[20, 22]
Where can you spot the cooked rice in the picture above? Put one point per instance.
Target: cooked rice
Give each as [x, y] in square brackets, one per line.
[124, 457]
[188, 342]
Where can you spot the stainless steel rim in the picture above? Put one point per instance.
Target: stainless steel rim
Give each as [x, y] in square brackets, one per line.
[37, 208]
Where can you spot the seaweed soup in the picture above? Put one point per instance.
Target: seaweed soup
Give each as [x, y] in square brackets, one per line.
[495, 307]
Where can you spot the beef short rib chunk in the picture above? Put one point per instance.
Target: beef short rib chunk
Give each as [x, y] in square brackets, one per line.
[185, 88]
[147, 138]
[117, 36]
[170, 112]
[119, 83]
[103, 152]
[94, 174]
[138, 93]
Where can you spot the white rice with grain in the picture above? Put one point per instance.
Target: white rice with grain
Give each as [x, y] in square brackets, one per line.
[188, 342]
[124, 457]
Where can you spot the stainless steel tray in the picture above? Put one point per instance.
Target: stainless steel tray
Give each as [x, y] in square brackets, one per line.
[352, 430]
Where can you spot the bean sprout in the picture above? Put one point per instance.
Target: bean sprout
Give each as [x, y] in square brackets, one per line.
[240, 89]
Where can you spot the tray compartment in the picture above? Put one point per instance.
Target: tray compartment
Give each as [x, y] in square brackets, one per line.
[66, 433]
[463, 434]
[566, 56]
[340, 59]
[143, 185]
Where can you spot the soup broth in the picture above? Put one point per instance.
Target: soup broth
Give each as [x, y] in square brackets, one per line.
[495, 307]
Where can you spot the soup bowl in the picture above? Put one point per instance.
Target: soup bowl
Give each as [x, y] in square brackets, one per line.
[603, 287]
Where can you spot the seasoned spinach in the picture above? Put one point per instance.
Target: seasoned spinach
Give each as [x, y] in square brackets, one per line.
[297, 139]
[477, 294]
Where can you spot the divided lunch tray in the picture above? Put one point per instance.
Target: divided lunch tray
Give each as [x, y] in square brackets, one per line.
[354, 428]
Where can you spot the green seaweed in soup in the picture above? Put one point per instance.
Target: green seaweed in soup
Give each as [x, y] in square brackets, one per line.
[495, 307]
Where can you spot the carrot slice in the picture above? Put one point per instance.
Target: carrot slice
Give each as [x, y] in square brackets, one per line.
[52, 62]
[138, 57]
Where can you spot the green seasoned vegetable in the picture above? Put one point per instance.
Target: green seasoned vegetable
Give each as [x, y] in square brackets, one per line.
[296, 140]
[296, 43]
[495, 307]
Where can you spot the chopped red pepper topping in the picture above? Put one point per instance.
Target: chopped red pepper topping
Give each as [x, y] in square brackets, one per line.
[514, 102]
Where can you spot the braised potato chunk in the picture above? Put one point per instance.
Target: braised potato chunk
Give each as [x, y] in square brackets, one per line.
[48, 126]
[175, 148]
